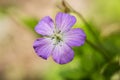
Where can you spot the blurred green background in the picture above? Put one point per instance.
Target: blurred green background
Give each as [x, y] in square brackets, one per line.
[97, 59]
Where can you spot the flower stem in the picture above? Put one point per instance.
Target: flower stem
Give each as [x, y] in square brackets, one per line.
[68, 9]
[99, 48]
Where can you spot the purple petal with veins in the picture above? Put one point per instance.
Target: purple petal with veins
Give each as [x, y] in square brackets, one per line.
[64, 22]
[62, 53]
[43, 47]
[45, 26]
[75, 37]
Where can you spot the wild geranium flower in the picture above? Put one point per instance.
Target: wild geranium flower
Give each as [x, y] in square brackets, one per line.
[58, 38]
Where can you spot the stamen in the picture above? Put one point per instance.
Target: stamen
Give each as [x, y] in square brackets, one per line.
[53, 38]
[57, 37]
[59, 31]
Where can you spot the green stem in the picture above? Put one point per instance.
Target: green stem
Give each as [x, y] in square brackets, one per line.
[68, 9]
[99, 48]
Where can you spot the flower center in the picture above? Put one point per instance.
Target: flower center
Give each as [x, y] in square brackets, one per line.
[57, 38]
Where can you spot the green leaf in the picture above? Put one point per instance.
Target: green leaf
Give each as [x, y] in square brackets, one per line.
[30, 22]
[111, 69]
[112, 43]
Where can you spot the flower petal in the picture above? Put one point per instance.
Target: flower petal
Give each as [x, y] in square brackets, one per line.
[45, 26]
[62, 53]
[64, 21]
[75, 37]
[43, 47]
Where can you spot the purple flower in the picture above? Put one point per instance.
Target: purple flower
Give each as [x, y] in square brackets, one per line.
[58, 38]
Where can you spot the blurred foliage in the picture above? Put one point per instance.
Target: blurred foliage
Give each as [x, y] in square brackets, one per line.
[96, 59]
[31, 22]
[111, 69]
[108, 9]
